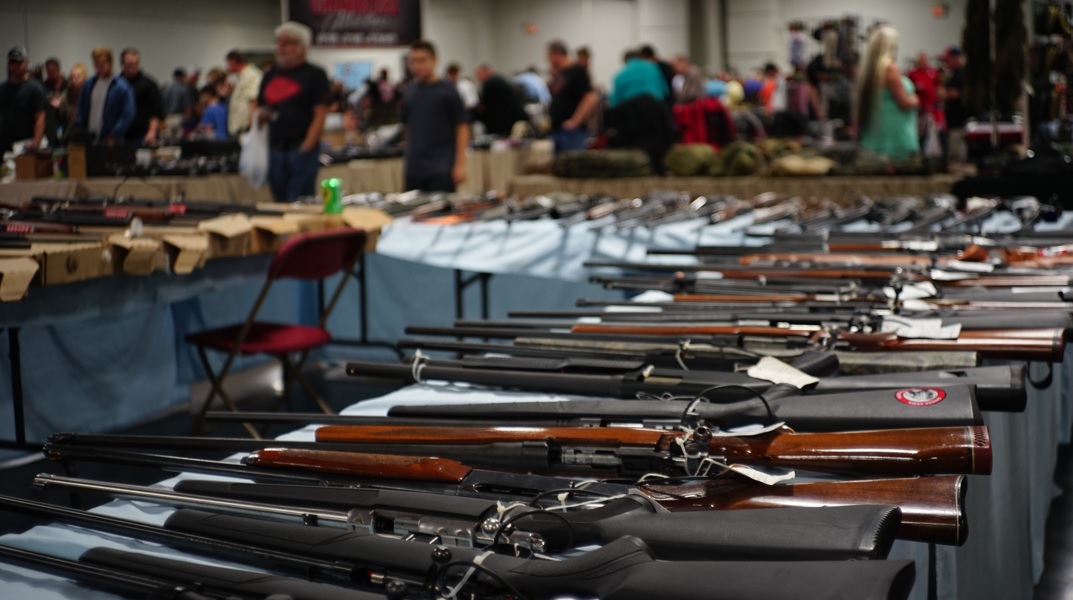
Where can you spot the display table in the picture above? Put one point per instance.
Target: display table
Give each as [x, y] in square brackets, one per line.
[1001, 559]
[846, 189]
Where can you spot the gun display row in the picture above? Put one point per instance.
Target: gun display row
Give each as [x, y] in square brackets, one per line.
[932, 507]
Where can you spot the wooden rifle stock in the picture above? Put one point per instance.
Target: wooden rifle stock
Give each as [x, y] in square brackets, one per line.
[933, 508]
[363, 465]
[921, 451]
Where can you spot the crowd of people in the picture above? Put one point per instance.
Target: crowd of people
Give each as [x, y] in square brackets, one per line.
[652, 103]
[121, 103]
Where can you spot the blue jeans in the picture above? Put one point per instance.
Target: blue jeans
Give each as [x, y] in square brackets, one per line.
[569, 139]
[292, 173]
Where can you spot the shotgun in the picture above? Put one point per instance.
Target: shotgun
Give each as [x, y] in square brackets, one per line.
[636, 452]
[290, 463]
[933, 508]
[1044, 344]
[150, 576]
[998, 388]
[842, 533]
[621, 570]
[834, 412]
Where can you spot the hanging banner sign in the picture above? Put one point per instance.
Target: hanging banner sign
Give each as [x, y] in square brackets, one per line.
[359, 23]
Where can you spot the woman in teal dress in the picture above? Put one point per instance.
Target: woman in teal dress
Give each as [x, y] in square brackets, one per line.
[886, 100]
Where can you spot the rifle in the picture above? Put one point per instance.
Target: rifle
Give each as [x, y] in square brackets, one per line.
[859, 532]
[838, 408]
[627, 451]
[938, 520]
[866, 532]
[998, 388]
[849, 363]
[1044, 344]
[152, 576]
[319, 570]
[621, 570]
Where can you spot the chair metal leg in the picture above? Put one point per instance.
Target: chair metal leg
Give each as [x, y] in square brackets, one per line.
[216, 382]
[296, 372]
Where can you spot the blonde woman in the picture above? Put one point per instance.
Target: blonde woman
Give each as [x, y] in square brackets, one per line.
[886, 101]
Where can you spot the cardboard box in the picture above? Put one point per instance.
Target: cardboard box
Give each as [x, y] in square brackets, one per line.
[186, 252]
[269, 232]
[15, 277]
[229, 235]
[33, 165]
[76, 162]
[315, 221]
[370, 219]
[63, 263]
[135, 256]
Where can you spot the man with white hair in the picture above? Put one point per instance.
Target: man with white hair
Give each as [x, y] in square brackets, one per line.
[293, 98]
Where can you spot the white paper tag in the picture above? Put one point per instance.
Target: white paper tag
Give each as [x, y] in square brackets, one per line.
[774, 370]
[940, 275]
[761, 476]
[748, 430]
[913, 291]
[970, 267]
[921, 329]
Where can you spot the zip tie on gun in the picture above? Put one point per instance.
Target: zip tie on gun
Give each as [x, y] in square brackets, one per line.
[682, 347]
[420, 360]
[706, 462]
[474, 566]
[586, 503]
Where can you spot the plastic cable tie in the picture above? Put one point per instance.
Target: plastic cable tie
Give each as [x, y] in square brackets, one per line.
[418, 365]
[682, 347]
[480, 558]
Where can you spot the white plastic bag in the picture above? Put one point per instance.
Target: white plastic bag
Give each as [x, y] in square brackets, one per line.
[253, 162]
[932, 147]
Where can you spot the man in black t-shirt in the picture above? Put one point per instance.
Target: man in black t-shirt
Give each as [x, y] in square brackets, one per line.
[22, 103]
[437, 130]
[148, 101]
[572, 99]
[954, 106]
[500, 107]
[293, 98]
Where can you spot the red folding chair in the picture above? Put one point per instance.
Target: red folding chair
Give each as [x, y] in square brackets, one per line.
[311, 257]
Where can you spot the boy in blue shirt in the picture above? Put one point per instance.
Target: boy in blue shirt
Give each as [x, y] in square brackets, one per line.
[214, 117]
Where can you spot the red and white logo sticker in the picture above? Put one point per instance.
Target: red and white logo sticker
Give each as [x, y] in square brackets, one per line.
[920, 396]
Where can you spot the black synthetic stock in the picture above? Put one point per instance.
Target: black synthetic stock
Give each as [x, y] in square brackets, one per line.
[226, 580]
[621, 570]
[837, 533]
[998, 388]
[877, 409]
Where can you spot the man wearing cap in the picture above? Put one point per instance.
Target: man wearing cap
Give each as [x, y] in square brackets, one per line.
[106, 106]
[293, 99]
[22, 103]
[954, 107]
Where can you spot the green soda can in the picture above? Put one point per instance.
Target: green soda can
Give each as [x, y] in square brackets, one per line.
[331, 195]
